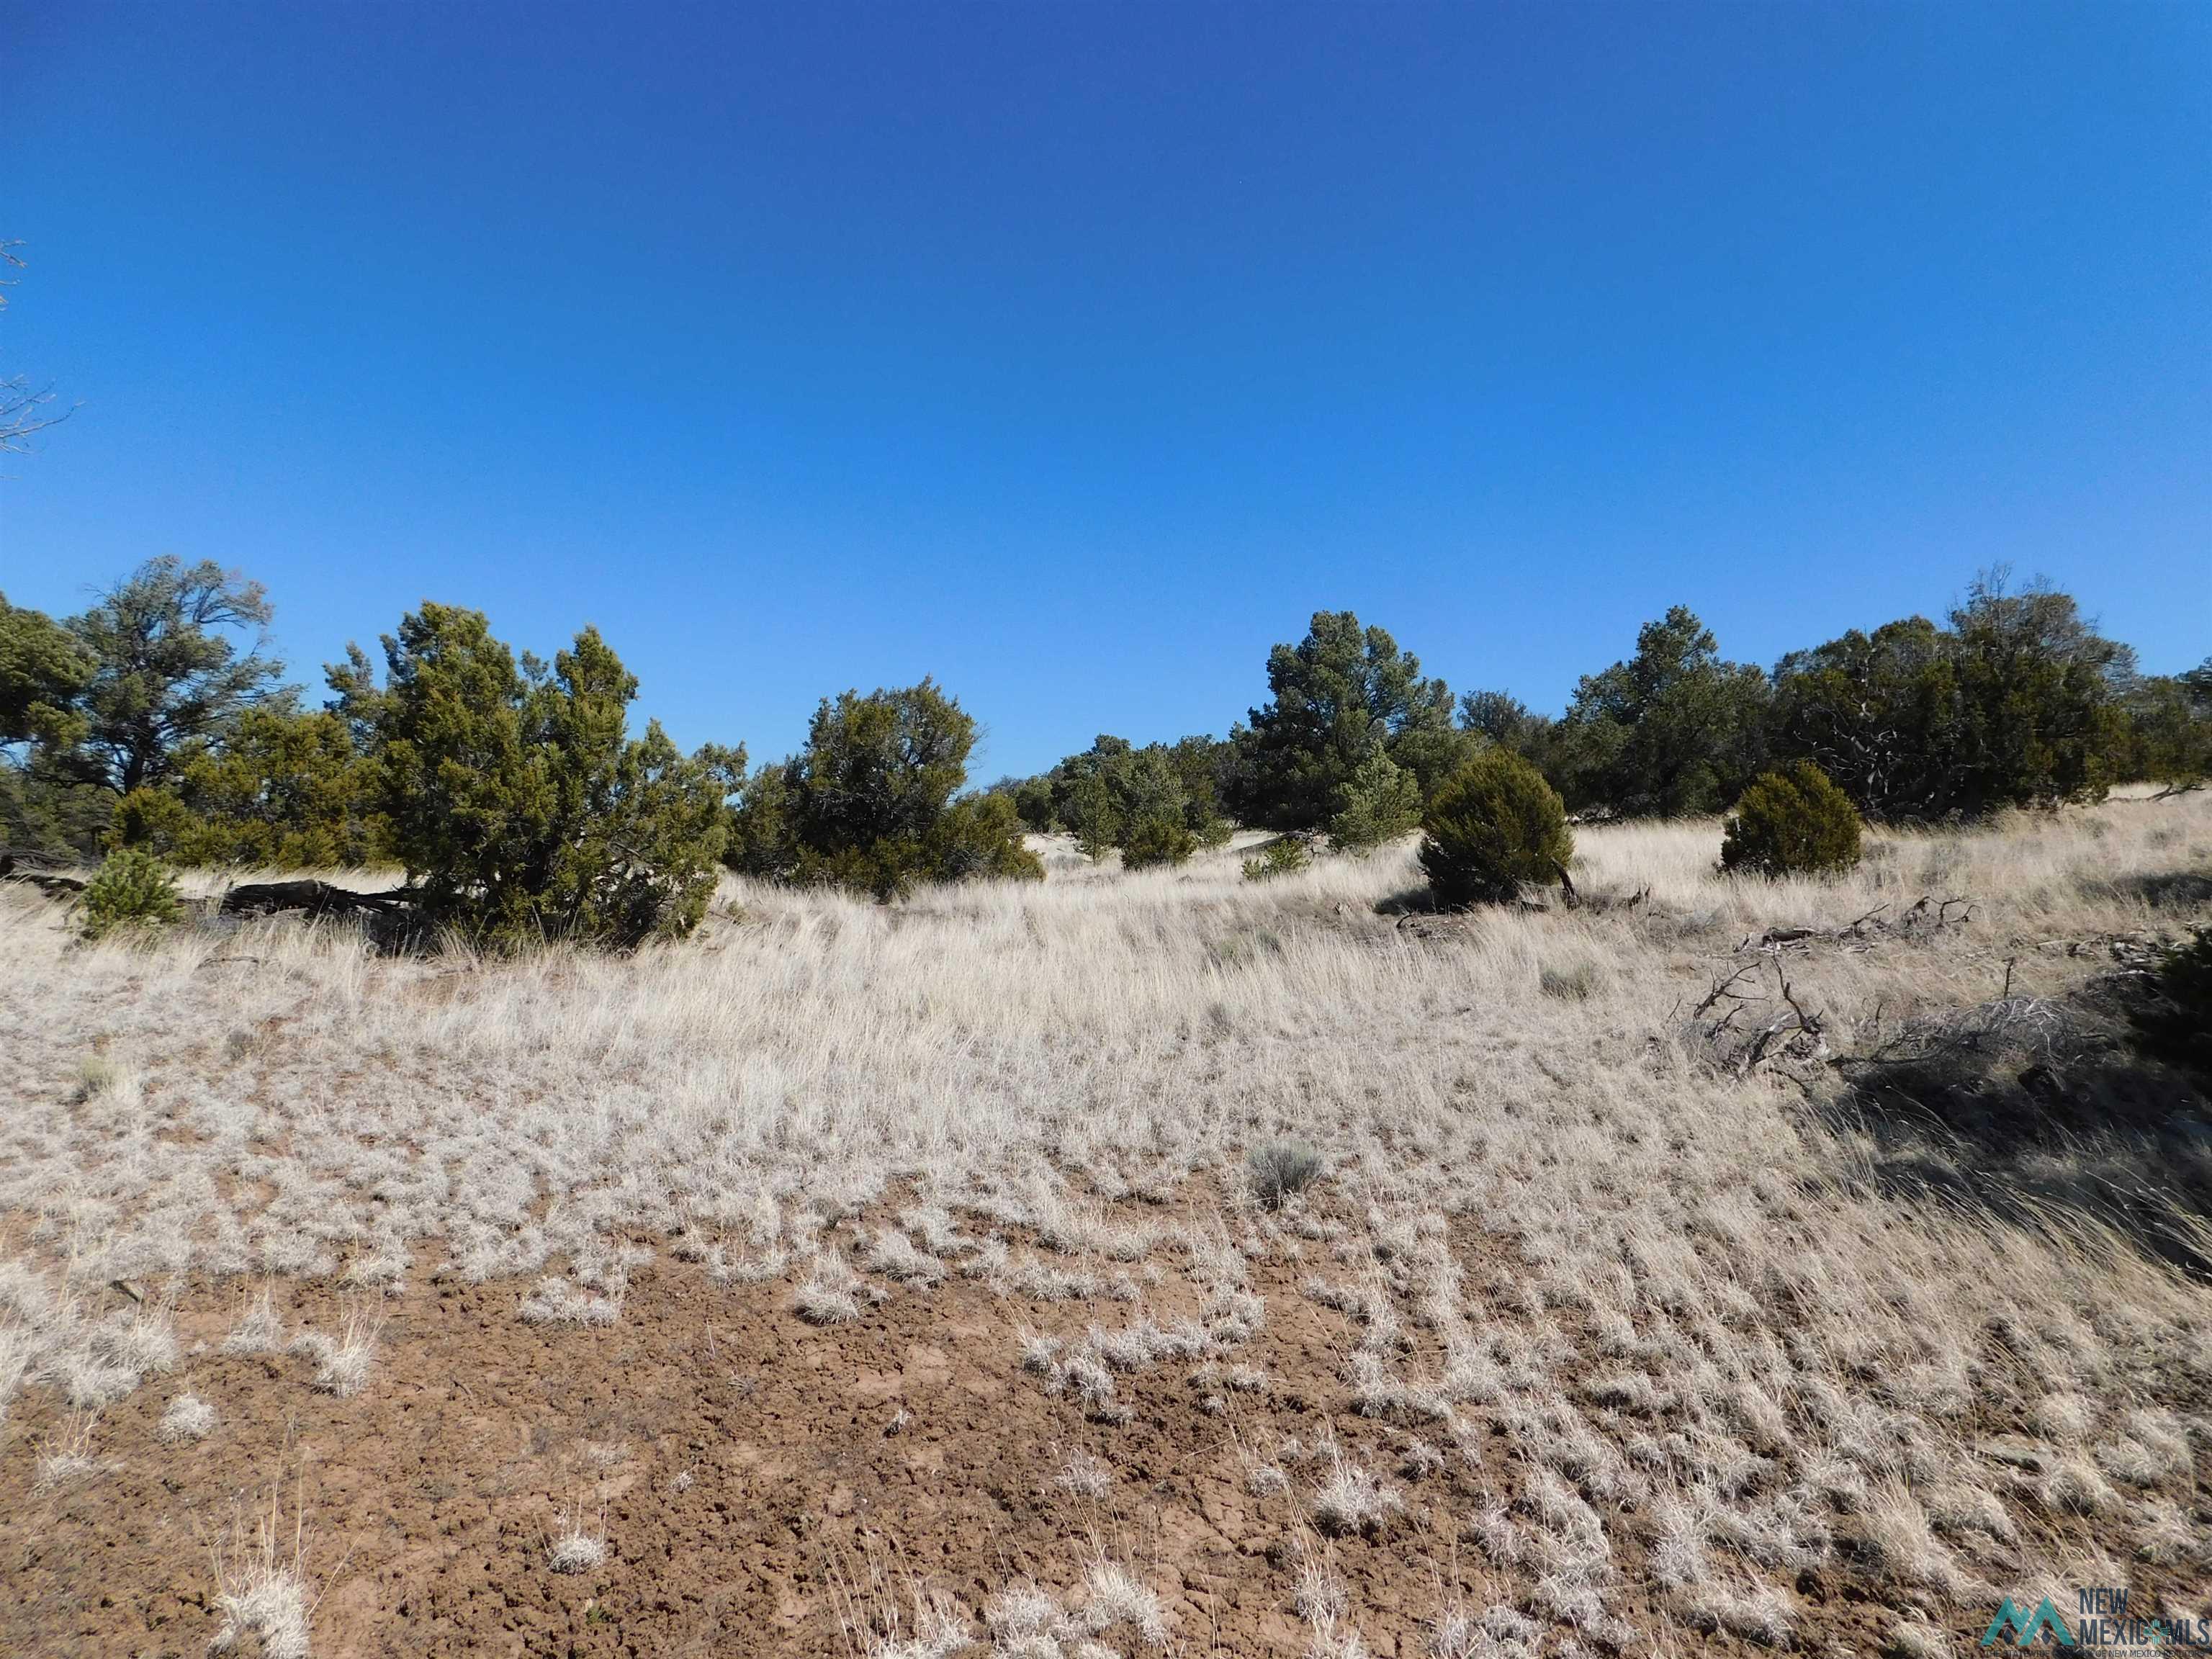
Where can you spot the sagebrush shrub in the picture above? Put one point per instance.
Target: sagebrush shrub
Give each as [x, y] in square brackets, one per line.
[133, 890]
[1283, 856]
[1281, 1168]
[1792, 823]
[1495, 827]
[1157, 840]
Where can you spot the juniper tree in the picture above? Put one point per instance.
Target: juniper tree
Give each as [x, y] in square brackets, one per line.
[869, 805]
[167, 669]
[286, 790]
[519, 805]
[1672, 730]
[1496, 827]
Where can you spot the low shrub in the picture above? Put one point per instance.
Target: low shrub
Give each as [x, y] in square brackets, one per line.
[1792, 823]
[131, 891]
[1155, 841]
[1381, 802]
[2174, 1021]
[1281, 1168]
[1495, 827]
[1283, 856]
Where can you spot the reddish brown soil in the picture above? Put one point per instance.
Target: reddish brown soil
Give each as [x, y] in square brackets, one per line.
[910, 1444]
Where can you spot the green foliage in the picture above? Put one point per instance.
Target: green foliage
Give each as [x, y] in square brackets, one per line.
[1104, 794]
[1156, 840]
[43, 669]
[2037, 724]
[1673, 730]
[286, 791]
[1494, 828]
[165, 673]
[1381, 802]
[2016, 703]
[1503, 719]
[1793, 822]
[131, 892]
[980, 837]
[1285, 855]
[1878, 715]
[1032, 799]
[1337, 695]
[2174, 1021]
[1200, 763]
[868, 804]
[43, 811]
[518, 803]
[2167, 732]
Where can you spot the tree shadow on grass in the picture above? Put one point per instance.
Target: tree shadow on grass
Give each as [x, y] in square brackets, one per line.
[2043, 1110]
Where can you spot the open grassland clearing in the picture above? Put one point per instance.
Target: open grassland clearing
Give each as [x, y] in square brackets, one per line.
[1157, 1262]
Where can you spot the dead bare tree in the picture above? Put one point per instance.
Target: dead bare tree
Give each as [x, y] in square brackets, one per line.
[25, 408]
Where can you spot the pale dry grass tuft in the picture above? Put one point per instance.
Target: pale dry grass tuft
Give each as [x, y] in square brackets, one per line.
[262, 1591]
[186, 1419]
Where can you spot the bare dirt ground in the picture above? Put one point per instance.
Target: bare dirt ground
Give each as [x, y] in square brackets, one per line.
[1713, 1266]
[751, 1474]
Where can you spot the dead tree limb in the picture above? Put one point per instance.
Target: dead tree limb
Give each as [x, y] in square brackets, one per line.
[317, 899]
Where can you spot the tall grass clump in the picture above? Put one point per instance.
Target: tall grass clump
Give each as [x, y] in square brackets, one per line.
[1280, 1169]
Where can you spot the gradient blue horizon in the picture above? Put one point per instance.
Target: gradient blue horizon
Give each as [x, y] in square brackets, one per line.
[1074, 355]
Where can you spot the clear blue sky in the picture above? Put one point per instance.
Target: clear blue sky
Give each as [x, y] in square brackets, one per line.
[1075, 353]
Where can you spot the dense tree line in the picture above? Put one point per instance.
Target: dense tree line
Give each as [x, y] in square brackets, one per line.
[2014, 700]
[521, 804]
[511, 790]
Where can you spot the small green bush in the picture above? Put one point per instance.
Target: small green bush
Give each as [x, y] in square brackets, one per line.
[1280, 1169]
[2174, 1020]
[1285, 855]
[1495, 827]
[1155, 841]
[1381, 803]
[1792, 823]
[132, 890]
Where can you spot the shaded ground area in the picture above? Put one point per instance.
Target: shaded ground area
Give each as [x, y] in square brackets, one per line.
[2037, 1107]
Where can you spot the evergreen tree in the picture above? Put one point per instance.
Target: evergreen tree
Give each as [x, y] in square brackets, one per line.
[520, 806]
[1672, 730]
[869, 805]
[1496, 827]
[1337, 697]
[168, 673]
[285, 791]
[1381, 802]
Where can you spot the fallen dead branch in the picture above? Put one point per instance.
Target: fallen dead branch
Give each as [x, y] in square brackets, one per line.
[317, 899]
[1926, 916]
[17, 864]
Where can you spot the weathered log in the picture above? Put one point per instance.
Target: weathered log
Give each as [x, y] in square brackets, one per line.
[316, 898]
[12, 856]
[45, 880]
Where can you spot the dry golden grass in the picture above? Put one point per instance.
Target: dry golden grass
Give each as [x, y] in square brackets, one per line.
[1739, 1318]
